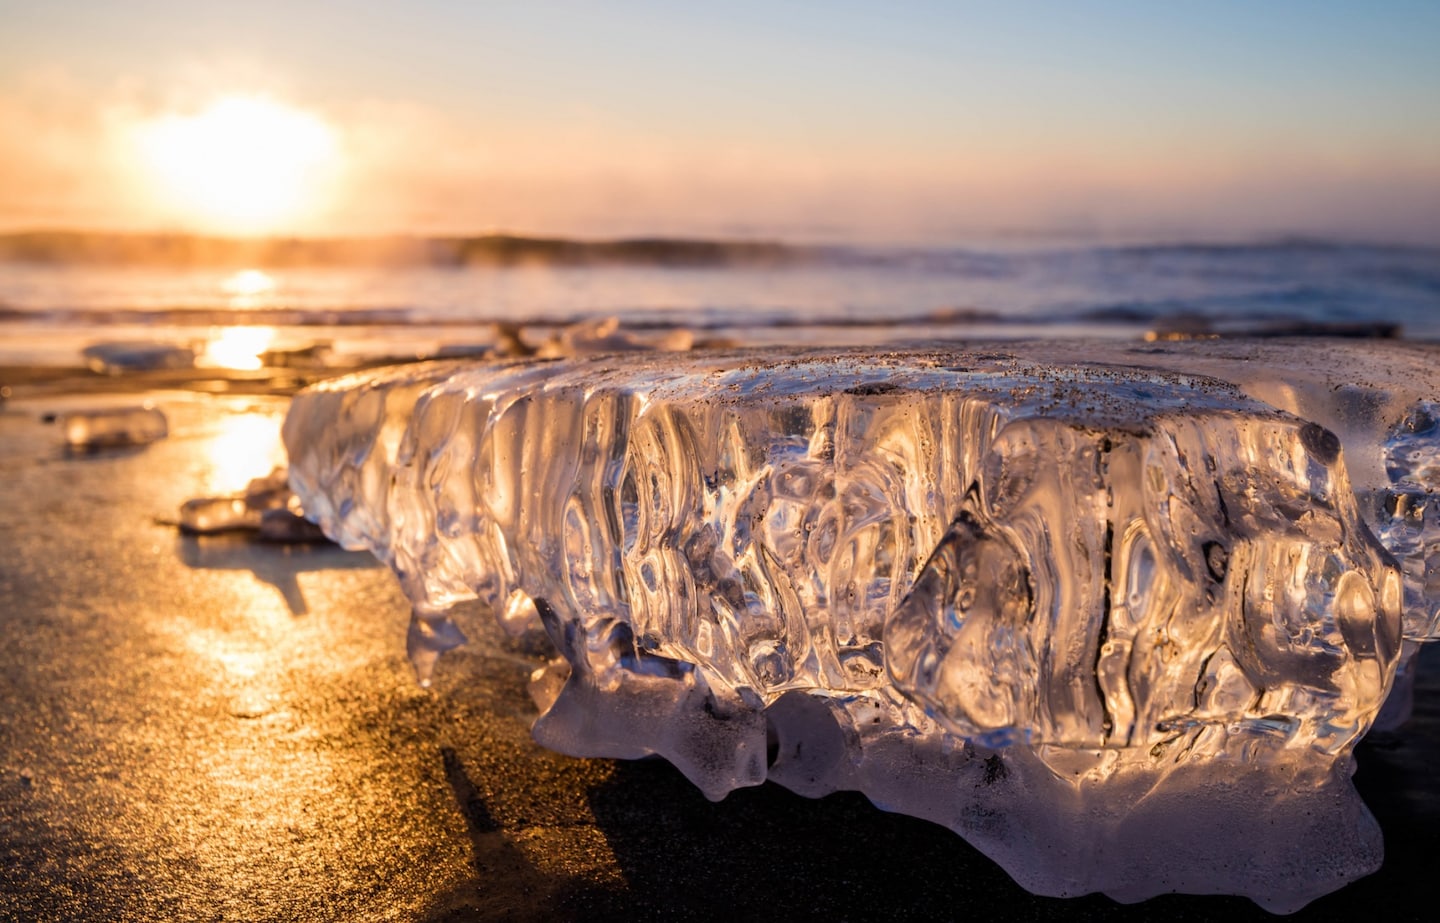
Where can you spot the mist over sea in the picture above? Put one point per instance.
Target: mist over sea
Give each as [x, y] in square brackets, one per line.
[98, 287]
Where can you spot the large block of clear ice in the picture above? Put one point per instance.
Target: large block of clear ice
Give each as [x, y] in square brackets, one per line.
[1120, 627]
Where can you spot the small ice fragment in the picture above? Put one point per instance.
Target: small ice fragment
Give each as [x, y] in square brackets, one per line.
[209, 515]
[605, 335]
[271, 492]
[430, 635]
[113, 427]
[547, 681]
[264, 497]
[518, 614]
[311, 356]
[119, 358]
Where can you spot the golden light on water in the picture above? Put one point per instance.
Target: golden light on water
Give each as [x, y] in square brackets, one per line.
[237, 348]
[247, 447]
[242, 164]
[247, 283]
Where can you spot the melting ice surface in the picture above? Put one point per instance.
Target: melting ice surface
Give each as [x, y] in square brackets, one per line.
[1118, 623]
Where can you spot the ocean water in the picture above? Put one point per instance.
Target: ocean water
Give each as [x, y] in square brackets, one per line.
[51, 305]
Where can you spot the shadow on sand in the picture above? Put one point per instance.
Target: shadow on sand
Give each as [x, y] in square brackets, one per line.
[277, 565]
[765, 853]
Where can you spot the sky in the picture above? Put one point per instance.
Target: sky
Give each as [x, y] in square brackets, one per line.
[899, 120]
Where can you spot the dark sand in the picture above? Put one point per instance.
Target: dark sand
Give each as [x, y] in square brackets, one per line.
[207, 729]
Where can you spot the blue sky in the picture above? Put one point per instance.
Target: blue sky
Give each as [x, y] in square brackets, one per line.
[909, 118]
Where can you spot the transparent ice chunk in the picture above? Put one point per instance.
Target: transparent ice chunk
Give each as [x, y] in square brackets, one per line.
[1375, 396]
[120, 358]
[114, 427]
[267, 507]
[1119, 627]
[210, 515]
[1406, 513]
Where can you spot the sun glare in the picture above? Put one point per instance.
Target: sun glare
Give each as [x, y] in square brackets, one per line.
[237, 348]
[247, 446]
[248, 289]
[247, 283]
[242, 164]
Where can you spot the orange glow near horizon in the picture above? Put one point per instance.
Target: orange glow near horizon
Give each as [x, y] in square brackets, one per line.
[243, 164]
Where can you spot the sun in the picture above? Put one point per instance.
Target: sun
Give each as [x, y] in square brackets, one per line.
[244, 164]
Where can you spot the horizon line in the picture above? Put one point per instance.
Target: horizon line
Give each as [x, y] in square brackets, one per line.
[1107, 238]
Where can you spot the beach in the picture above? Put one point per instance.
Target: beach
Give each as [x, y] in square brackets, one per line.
[211, 728]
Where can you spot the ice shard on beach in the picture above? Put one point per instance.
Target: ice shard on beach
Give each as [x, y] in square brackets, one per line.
[1119, 626]
[114, 427]
[246, 511]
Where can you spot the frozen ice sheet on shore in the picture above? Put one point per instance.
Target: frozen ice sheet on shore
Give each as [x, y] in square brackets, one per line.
[1119, 623]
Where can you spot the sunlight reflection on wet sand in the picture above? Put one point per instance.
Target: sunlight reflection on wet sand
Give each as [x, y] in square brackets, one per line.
[244, 446]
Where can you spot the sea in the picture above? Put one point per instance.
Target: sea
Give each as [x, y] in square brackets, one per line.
[62, 293]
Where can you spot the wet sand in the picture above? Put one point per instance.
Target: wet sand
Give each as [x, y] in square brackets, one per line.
[209, 729]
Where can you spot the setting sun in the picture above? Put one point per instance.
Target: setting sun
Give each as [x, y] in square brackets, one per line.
[241, 164]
